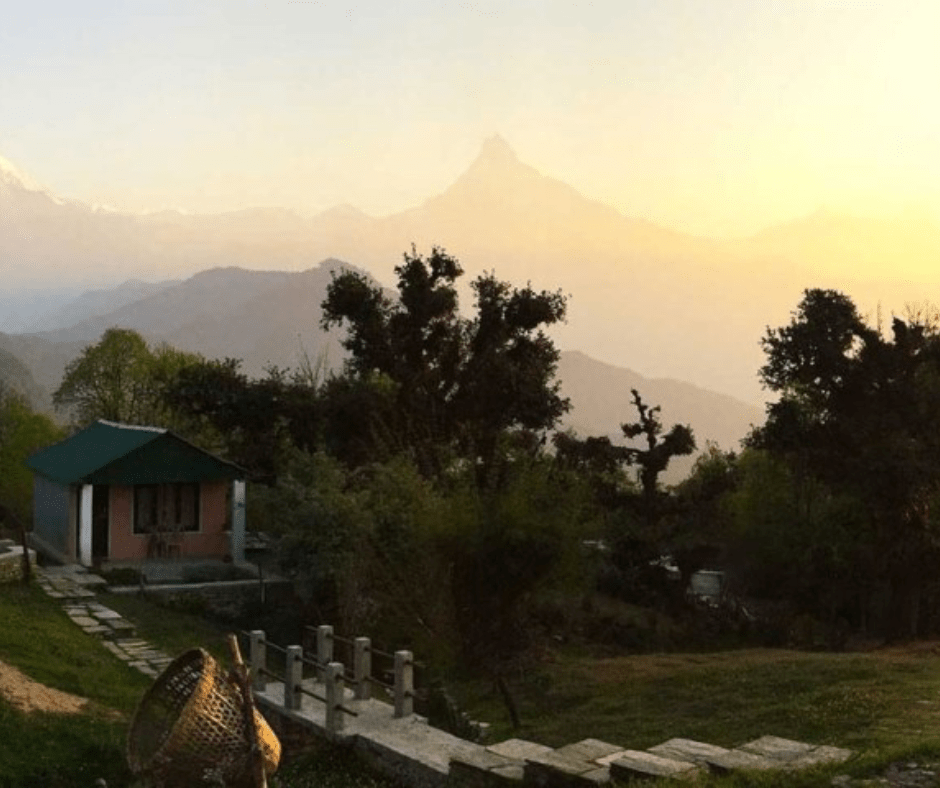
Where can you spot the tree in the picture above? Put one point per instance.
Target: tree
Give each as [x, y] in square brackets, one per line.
[860, 412]
[795, 540]
[641, 523]
[657, 454]
[458, 384]
[467, 403]
[254, 420]
[22, 432]
[702, 523]
[120, 378]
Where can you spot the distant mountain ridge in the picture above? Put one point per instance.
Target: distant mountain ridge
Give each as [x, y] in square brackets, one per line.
[271, 318]
[641, 296]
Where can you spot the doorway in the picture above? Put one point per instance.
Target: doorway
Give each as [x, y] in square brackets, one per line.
[100, 511]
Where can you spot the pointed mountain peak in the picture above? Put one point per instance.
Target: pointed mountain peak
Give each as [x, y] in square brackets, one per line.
[496, 151]
[13, 176]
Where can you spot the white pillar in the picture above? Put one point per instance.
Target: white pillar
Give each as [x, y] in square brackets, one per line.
[335, 693]
[259, 681]
[237, 534]
[84, 524]
[293, 677]
[324, 650]
[404, 683]
[362, 668]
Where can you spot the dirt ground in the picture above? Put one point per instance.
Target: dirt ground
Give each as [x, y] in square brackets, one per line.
[28, 695]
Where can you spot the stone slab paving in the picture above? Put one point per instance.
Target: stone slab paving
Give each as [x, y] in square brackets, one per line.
[599, 752]
[777, 749]
[554, 770]
[417, 753]
[520, 749]
[738, 760]
[645, 765]
[74, 586]
[688, 750]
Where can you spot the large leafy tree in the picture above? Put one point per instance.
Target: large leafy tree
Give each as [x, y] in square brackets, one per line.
[459, 384]
[859, 410]
[121, 378]
[255, 420]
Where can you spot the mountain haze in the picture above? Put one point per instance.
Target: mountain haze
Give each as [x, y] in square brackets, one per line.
[641, 296]
[271, 318]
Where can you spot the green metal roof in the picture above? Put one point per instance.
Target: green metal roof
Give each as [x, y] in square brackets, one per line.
[110, 453]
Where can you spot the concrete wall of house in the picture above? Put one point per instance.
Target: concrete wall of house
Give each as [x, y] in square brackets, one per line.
[211, 541]
[122, 543]
[51, 510]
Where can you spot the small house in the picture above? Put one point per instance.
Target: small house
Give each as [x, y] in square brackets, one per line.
[118, 493]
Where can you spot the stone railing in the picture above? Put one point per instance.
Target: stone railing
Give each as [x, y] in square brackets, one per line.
[331, 676]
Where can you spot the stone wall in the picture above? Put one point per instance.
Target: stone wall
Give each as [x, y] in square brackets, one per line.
[11, 561]
[225, 600]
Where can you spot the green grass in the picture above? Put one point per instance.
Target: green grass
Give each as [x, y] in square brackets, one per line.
[60, 751]
[884, 704]
[173, 631]
[38, 638]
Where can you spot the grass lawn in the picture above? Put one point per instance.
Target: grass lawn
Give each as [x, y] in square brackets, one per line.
[173, 631]
[884, 704]
[45, 749]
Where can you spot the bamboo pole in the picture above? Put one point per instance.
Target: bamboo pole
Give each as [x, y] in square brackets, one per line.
[241, 674]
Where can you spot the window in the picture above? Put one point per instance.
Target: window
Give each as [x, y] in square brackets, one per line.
[163, 508]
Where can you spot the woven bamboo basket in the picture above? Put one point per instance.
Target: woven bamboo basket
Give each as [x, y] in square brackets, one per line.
[190, 726]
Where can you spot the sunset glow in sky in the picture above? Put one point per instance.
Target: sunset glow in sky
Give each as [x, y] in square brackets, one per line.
[717, 117]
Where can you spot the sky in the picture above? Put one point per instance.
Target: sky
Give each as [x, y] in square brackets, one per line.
[713, 117]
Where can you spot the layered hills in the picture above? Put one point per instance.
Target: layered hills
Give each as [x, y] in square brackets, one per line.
[271, 318]
[641, 297]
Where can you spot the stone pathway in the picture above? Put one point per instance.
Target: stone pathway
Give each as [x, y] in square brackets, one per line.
[409, 748]
[74, 587]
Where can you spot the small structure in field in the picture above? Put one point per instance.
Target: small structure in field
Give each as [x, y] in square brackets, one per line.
[116, 493]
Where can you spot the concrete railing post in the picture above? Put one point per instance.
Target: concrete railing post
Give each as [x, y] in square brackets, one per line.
[362, 667]
[293, 676]
[404, 683]
[324, 650]
[258, 656]
[335, 688]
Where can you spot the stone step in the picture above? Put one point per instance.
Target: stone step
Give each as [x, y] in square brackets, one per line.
[553, 770]
[482, 768]
[633, 764]
[594, 750]
[790, 754]
[120, 627]
[519, 749]
[739, 760]
[777, 749]
[688, 750]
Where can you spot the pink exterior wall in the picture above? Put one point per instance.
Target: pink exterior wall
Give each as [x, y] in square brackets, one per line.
[211, 541]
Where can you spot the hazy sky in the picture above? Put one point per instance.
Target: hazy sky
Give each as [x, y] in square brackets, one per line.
[716, 117]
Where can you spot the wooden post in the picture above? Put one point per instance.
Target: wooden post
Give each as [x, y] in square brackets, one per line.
[362, 668]
[248, 703]
[404, 683]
